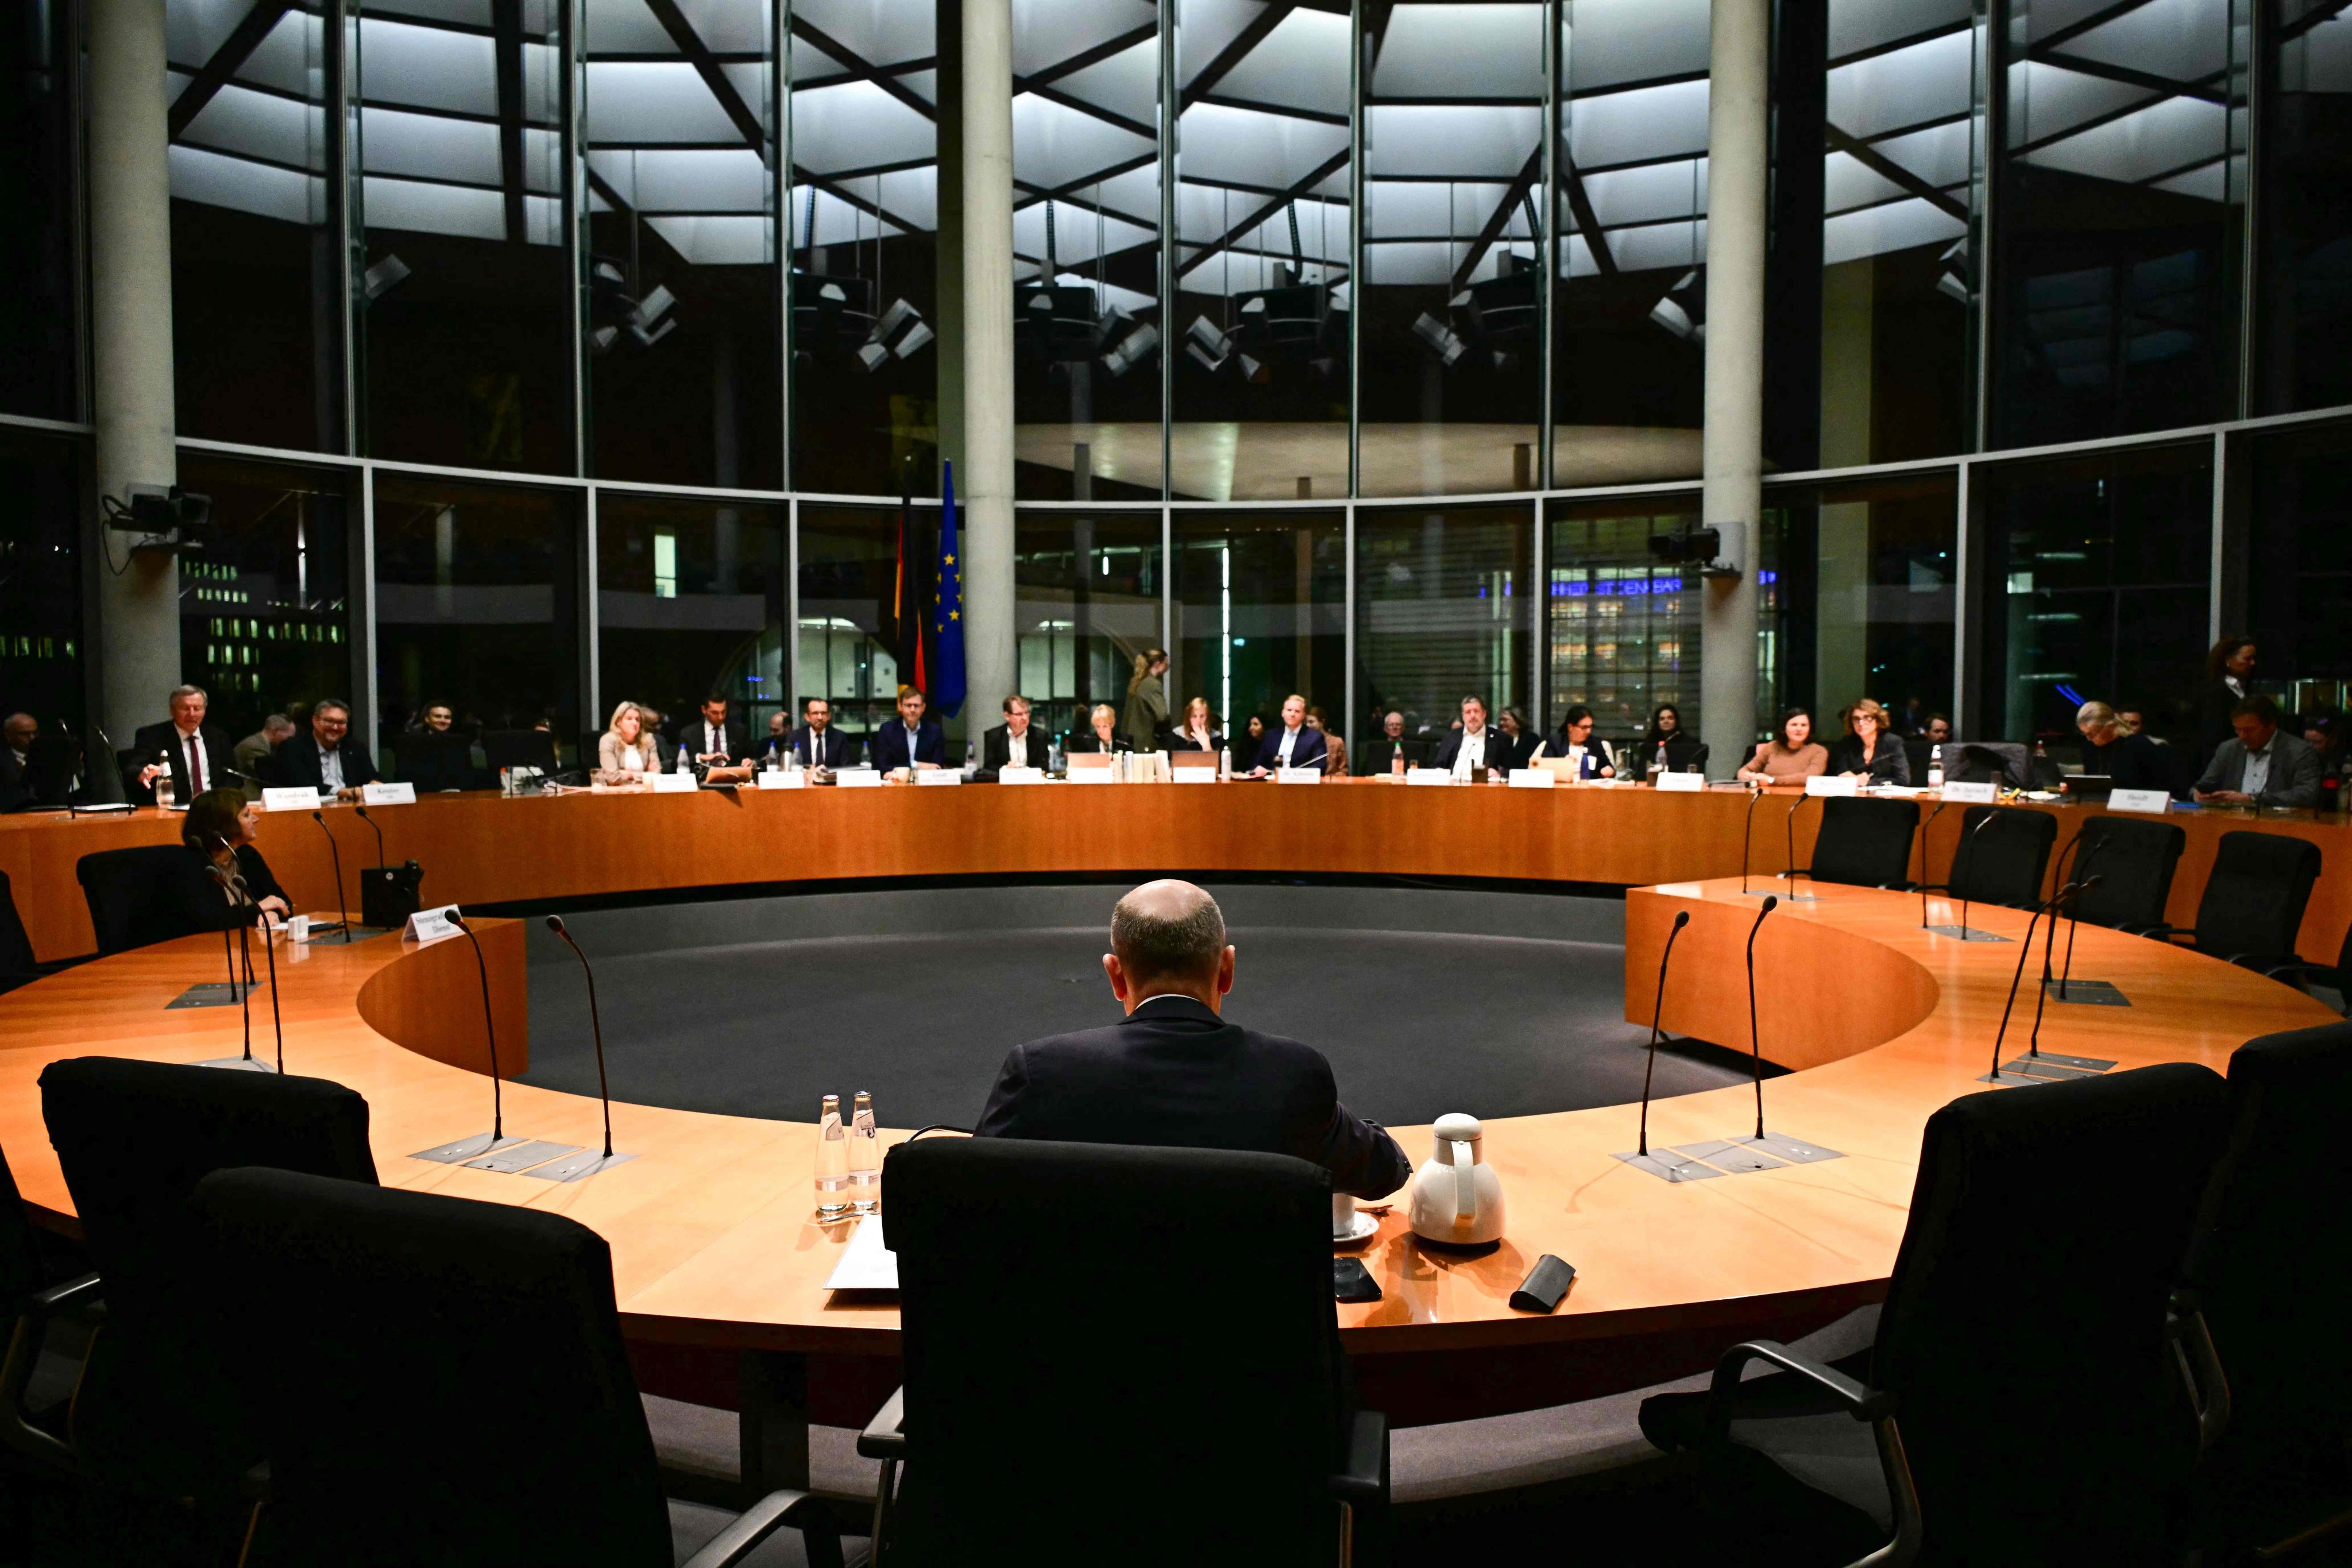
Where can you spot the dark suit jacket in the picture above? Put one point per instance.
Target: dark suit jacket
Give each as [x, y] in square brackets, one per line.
[1381, 752]
[1175, 1075]
[220, 762]
[1499, 749]
[2133, 761]
[197, 900]
[731, 735]
[1889, 764]
[15, 780]
[298, 762]
[996, 747]
[833, 751]
[2294, 770]
[888, 748]
[1311, 750]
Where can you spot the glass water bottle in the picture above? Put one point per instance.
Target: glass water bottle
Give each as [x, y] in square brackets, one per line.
[832, 1161]
[864, 1157]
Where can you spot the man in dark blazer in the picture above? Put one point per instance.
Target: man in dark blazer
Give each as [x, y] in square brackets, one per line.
[1477, 745]
[996, 747]
[910, 740]
[1175, 1074]
[1295, 744]
[325, 757]
[1380, 756]
[200, 757]
[716, 746]
[817, 743]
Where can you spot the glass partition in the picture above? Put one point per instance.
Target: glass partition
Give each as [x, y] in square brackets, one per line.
[1864, 594]
[690, 599]
[1261, 612]
[41, 576]
[40, 252]
[1441, 611]
[1086, 602]
[2297, 578]
[2304, 251]
[1622, 629]
[848, 632]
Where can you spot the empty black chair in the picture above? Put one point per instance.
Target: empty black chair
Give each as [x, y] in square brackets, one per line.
[2253, 907]
[130, 894]
[133, 1139]
[2018, 1390]
[428, 1326]
[2006, 762]
[2002, 853]
[18, 966]
[2133, 861]
[28, 1304]
[518, 749]
[2270, 1271]
[1021, 1382]
[1865, 842]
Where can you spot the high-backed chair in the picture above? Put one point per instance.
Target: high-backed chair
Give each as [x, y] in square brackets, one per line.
[18, 966]
[2003, 851]
[2270, 1271]
[518, 749]
[2253, 901]
[1865, 842]
[1047, 1396]
[134, 1138]
[129, 894]
[28, 1304]
[2014, 1406]
[428, 1326]
[2134, 861]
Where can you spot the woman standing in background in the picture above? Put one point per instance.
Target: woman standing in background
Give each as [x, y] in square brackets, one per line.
[1147, 700]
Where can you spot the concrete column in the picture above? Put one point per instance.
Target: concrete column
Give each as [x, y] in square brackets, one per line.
[1733, 443]
[985, 482]
[131, 364]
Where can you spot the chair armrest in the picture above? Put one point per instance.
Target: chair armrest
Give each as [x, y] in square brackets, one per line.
[59, 1300]
[24, 1348]
[2201, 1367]
[1365, 1478]
[884, 1437]
[753, 1526]
[1871, 1406]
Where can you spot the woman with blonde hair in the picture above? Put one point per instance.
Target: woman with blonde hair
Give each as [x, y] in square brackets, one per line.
[1102, 733]
[1147, 700]
[627, 751]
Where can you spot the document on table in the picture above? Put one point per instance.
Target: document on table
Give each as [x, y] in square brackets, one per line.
[866, 1264]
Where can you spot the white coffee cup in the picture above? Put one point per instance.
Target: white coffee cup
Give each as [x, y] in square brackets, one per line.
[1343, 1216]
[298, 928]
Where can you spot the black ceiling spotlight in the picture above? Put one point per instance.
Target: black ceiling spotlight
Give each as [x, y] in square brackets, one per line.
[163, 516]
[1682, 309]
[1714, 549]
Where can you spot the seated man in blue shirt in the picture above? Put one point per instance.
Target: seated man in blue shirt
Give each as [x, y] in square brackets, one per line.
[1295, 745]
[913, 741]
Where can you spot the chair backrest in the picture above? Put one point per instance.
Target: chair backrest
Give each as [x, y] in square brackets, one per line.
[1045, 1333]
[2133, 861]
[1865, 842]
[2002, 864]
[17, 964]
[518, 749]
[2271, 1263]
[2255, 894]
[2023, 1332]
[407, 1332]
[1989, 761]
[21, 1273]
[129, 894]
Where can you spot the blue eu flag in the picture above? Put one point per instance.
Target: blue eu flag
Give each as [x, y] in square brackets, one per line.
[947, 625]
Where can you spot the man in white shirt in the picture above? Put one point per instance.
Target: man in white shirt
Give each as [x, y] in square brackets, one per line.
[1293, 745]
[196, 754]
[1012, 745]
[1473, 745]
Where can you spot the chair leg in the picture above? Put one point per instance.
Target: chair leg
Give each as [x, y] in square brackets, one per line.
[1347, 1535]
[882, 1489]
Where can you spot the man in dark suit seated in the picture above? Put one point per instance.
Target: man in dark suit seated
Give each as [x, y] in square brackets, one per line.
[325, 757]
[17, 734]
[913, 741]
[1012, 745]
[1296, 744]
[1380, 756]
[197, 755]
[1175, 1074]
[715, 747]
[1474, 746]
[816, 743]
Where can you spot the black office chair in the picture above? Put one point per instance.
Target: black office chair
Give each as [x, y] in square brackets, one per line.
[17, 964]
[518, 749]
[154, 1415]
[1865, 843]
[2013, 1408]
[2133, 861]
[29, 1303]
[2003, 851]
[129, 892]
[427, 1331]
[2268, 1275]
[1682, 756]
[2252, 906]
[1041, 1367]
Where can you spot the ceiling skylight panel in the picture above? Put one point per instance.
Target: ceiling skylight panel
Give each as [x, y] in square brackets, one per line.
[2182, 40]
[1481, 51]
[728, 26]
[644, 102]
[1856, 25]
[1074, 237]
[427, 68]
[879, 31]
[1939, 154]
[2145, 145]
[1448, 141]
[1909, 85]
[1302, 64]
[1895, 226]
[1658, 246]
[1047, 32]
[680, 180]
[195, 29]
[1846, 183]
[1056, 146]
[1205, 28]
[626, 28]
[1615, 41]
[1250, 147]
[1640, 126]
[428, 146]
[240, 184]
[716, 241]
[292, 58]
[2046, 101]
[856, 125]
[1127, 83]
[262, 125]
[421, 208]
[1650, 193]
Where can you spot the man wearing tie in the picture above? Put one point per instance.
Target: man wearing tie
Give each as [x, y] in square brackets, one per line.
[817, 743]
[194, 753]
[326, 758]
[1012, 745]
[1474, 746]
[1293, 745]
[714, 748]
[913, 741]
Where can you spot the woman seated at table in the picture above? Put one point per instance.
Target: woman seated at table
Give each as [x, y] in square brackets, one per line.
[1871, 752]
[1245, 746]
[1102, 737]
[1198, 731]
[1574, 739]
[1793, 756]
[218, 834]
[626, 754]
[1524, 741]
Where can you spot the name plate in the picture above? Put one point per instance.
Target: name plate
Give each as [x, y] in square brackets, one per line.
[388, 795]
[2151, 800]
[430, 925]
[1298, 775]
[1533, 778]
[857, 778]
[1020, 775]
[1090, 776]
[671, 784]
[1428, 776]
[1683, 784]
[1830, 784]
[937, 776]
[295, 799]
[1195, 776]
[1980, 794]
[782, 778]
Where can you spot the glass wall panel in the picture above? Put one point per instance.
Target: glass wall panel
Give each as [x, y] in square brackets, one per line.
[848, 635]
[690, 599]
[1086, 602]
[265, 605]
[257, 223]
[1867, 592]
[1622, 629]
[1453, 297]
[1441, 611]
[2094, 588]
[2114, 221]
[1261, 612]
[1632, 168]
[1086, 245]
[41, 579]
[39, 160]
[864, 248]
[477, 607]
[1260, 372]
[684, 331]
[2299, 575]
[2303, 252]
[467, 277]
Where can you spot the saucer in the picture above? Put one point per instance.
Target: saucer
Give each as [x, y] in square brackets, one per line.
[1365, 1227]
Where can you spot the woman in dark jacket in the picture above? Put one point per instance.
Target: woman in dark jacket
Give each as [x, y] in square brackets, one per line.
[1871, 752]
[218, 834]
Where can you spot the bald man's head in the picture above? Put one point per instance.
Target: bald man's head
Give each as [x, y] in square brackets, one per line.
[1168, 931]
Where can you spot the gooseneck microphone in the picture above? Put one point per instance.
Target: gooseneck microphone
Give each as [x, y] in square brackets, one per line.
[2069, 895]
[2073, 915]
[1791, 874]
[379, 834]
[1968, 850]
[1755, 1040]
[595, 1027]
[1755, 793]
[1682, 919]
[226, 879]
[1924, 830]
[342, 908]
[490, 1028]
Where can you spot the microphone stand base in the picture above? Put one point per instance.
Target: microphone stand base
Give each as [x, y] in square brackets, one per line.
[1670, 1167]
[1739, 1156]
[516, 1157]
[238, 1063]
[465, 1149]
[577, 1167]
[2082, 993]
[1964, 933]
[2047, 1067]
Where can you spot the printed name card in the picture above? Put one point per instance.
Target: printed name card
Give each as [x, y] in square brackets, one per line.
[430, 925]
[1428, 776]
[388, 795]
[781, 778]
[857, 778]
[1532, 778]
[1195, 776]
[1090, 775]
[671, 784]
[937, 776]
[1683, 784]
[1020, 775]
[295, 799]
[1980, 794]
[2154, 800]
[1298, 775]
[1829, 784]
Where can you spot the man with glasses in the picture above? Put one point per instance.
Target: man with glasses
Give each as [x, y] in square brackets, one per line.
[816, 743]
[327, 759]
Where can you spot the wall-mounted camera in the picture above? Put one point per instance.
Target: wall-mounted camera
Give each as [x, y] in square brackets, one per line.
[1716, 550]
[162, 516]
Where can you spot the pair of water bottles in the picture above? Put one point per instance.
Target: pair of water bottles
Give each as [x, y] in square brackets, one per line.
[848, 1160]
